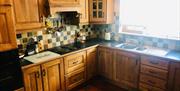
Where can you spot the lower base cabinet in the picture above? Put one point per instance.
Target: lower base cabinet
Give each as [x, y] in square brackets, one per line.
[174, 77]
[75, 78]
[91, 63]
[48, 76]
[105, 63]
[126, 69]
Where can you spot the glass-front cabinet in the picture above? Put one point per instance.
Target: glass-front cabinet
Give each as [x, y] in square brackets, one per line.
[99, 10]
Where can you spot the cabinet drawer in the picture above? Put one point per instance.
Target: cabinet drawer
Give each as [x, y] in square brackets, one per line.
[154, 71]
[145, 87]
[74, 61]
[153, 81]
[6, 2]
[76, 78]
[155, 62]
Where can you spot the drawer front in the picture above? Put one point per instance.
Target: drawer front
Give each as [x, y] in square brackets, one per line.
[153, 81]
[76, 78]
[6, 2]
[74, 61]
[155, 62]
[154, 72]
[145, 87]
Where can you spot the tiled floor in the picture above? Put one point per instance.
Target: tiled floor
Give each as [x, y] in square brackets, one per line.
[98, 85]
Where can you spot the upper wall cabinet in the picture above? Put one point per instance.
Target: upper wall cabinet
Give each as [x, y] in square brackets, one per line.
[64, 2]
[101, 11]
[7, 28]
[28, 14]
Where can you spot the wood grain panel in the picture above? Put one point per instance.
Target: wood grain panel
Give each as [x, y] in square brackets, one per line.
[53, 75]
[91, 63]
[145, 87]
[105, 62]
[126, 68]
[7, 29]
[75, 78]
[74, 61]
[32, 79]
[174, 77]
[153, 81]
[28, 14]
[155, 62]
[163, 74]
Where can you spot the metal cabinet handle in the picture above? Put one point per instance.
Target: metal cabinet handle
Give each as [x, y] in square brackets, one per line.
[43, 72]
[37, 74]
[151, 82]
[152, 72]
[153, 62]
[75, 62]
[41, 18]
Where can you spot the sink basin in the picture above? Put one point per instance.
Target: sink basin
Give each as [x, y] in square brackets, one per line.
[126, 46]
[131, 47]
[40, 57]
[141, 49]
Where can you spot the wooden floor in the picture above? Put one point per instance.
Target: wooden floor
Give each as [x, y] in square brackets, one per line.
[98, 85]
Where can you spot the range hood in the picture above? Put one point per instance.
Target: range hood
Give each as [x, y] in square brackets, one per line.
[70, 17]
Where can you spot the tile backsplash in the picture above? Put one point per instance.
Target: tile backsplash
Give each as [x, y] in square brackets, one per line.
[49, 40]
[149, 41]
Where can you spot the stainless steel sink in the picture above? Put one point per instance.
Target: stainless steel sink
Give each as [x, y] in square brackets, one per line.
[131, 47]
[126, 46]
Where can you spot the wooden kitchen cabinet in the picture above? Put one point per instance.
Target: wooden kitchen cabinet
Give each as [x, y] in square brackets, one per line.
[53, 75]
[126, 69]
[83, 10]
[75, 78]
[153, 73]
[91, 63]
[32, 78]
[101, 11]
[74, 61]
[47, 76]
[28, 14]
[7, 28]
[105, 62]
[174, 77]
[61, 3]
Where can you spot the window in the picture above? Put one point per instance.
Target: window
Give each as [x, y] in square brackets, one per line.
[160, 18]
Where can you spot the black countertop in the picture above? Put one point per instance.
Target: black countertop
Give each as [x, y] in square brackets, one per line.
[173, 55]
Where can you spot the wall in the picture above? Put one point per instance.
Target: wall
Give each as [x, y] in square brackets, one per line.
[50, 40]
[149, 41]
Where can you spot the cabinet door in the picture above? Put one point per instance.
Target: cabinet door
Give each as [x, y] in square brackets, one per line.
[64, 2]
[84, 14]
[105, 62]
[28, 14]
[91, 63]
[32, 79]
[7, 29]
[53, 75]
[97, 10]
[174, 77]
[126, 68]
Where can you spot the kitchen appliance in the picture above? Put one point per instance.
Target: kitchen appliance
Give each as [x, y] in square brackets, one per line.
[10, 71]
[31, 47]
[107, 36]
